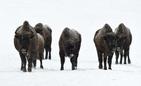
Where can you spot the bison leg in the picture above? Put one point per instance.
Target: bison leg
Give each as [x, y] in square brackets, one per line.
[41, 57]
[62, 58]
[100, 59]
[105, 62]
[110, 61]
[74, 62]
[50, 53]
[34, 63]
[46, 49]
[23, 62]
[121, 56]
[41, 65]
[29, 64]
[127, 54]
[129, 61]
[117, 56]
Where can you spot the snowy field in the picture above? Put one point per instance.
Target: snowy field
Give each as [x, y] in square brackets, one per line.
[86, 16]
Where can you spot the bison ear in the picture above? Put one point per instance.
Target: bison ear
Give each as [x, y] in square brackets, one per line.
[17, 36]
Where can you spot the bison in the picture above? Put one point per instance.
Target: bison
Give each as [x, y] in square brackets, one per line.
[30, 46]
[69, 45]
[104, 40]
[124, 39]
[46, 32]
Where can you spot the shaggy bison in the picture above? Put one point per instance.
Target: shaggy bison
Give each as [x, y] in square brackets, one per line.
[124, 39]
[30, 46]
[104, 40]
[46, 32]
[69, 45]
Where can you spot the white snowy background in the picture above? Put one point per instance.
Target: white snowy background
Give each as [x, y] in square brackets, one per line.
[86, 16]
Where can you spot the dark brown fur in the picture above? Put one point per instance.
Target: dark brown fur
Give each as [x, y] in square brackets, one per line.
[124, 39]
[46, 32]
[104, 40]
[69, 45]
[29, 44]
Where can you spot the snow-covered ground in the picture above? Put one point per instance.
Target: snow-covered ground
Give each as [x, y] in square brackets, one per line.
[86, 16]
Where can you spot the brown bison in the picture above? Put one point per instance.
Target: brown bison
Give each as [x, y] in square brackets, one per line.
[30, 46]
[46, 32]
[69, 45]
[124, 39]
[104, 40]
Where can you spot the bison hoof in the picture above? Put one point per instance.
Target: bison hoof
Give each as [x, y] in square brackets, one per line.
[62, 69]
[124, 62]
[116, 62]
[49, 58]
[110, 68]
[24, 70]
[105, 68]
[34, 65]
[129, 62]
[29, 70]
[100, 67]
[74, 68]
[41, 67]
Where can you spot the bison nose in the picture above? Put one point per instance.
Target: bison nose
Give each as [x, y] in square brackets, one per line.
[24, 51]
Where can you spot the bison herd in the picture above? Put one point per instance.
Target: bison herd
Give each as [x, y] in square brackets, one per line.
[31, 42]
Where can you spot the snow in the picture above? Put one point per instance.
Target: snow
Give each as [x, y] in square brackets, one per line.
[85, 16]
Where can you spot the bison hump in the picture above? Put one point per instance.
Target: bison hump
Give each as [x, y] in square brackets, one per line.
[71, 36]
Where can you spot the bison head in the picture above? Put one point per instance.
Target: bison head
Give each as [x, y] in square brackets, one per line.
[110, 40]
[120, 37]
[24, 34]
[38, 27]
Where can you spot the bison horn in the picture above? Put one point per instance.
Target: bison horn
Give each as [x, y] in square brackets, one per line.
[108, 28]
[26, 25]
[106, 25]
